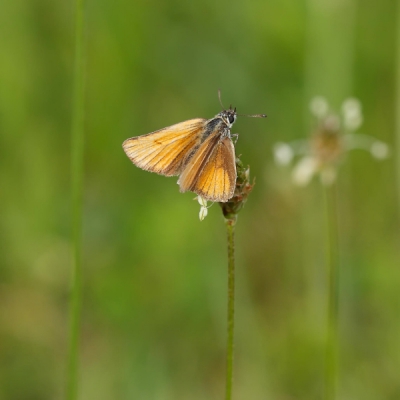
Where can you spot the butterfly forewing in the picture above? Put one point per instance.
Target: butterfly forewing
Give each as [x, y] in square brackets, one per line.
[211, 172]
[166, 151]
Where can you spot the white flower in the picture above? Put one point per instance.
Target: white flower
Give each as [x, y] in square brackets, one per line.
[334, 136]
[203, 207]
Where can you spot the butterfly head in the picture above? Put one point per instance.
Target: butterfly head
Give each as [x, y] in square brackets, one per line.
[228, 116]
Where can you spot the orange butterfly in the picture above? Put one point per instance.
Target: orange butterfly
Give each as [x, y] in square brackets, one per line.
[200, 151]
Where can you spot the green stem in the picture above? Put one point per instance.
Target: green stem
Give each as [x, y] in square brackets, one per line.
[77, 144]
[397, 109]
[332, 247]
[230, 226]
[329, 50]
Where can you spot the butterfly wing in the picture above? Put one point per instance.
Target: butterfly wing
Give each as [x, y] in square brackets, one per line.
[211, 172]
[167, 150]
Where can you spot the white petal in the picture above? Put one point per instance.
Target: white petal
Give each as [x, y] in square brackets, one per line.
[351, 106]
[203, 213]
[352, 115]
[283, 153]
[380, 150]
[202, 202]
[352, 122]
[304, 171]
[358, 141]
[319, 106]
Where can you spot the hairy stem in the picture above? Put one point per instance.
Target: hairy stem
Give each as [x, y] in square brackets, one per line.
[230, 226]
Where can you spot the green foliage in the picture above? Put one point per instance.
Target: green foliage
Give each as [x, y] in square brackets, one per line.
[154, 277]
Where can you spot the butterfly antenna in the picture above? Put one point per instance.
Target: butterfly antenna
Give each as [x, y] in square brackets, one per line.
[253, 115]
[219, 98]
[242, 115]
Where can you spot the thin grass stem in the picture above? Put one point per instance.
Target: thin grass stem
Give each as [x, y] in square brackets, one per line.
[230, 226]
[332, 260]
[77, 144]
[397, 102]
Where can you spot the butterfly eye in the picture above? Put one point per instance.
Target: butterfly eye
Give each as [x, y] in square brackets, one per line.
[231, 119]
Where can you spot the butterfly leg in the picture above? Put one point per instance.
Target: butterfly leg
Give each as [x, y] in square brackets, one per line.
[235, 136]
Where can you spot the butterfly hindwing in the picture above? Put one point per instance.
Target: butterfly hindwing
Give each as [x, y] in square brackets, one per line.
[167, 150]
[211, 172]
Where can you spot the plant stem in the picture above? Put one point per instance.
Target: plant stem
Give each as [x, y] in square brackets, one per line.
[329, 50]
[397, 102]
[77, 144]
[328, 72]
[230, 226]
[332, 254]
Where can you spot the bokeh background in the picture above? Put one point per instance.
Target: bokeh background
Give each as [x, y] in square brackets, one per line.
[154, 293]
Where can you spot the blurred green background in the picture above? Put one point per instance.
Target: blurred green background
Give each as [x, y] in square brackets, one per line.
[154, 295]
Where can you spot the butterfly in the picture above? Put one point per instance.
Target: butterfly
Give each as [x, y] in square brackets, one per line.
[199, 150]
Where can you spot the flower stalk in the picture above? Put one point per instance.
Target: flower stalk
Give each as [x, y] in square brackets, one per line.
[397, 102]
[77, 145]
[332, 261]
[230, 227]
[322, 155]
[230, 210]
